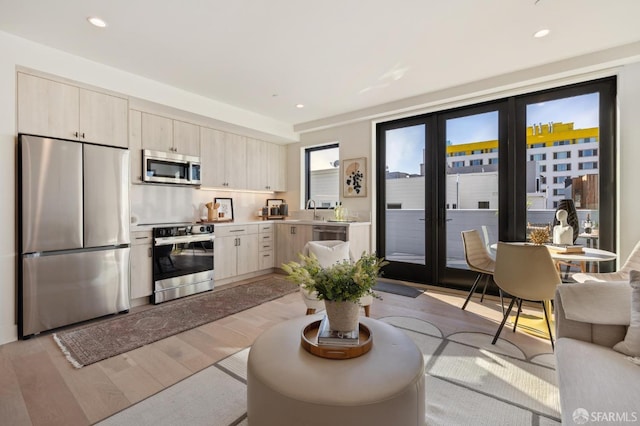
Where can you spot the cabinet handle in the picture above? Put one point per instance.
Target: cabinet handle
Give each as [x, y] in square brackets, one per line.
[293, 230]
[237, 230]
[82, 135]
[266, 237]
[141, 238]
[266, 255]
[76, 134]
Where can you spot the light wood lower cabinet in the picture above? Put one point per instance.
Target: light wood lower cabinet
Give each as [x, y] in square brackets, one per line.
[236, 251]
[265, 242]
[141, 278]
[291, 239]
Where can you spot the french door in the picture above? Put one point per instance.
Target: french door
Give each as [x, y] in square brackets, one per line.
[495, 167]
[406, 160]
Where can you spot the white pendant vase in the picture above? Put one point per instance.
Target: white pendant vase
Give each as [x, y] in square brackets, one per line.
[343, 316]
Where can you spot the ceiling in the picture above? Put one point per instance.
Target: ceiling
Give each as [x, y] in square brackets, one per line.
[333, 56]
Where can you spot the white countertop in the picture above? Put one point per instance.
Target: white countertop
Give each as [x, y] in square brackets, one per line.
[293, 221]
[149, 227]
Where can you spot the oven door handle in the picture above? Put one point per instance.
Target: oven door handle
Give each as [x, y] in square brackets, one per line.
[165, 241]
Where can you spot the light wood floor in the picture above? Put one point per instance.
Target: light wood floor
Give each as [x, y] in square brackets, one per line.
[38, 386]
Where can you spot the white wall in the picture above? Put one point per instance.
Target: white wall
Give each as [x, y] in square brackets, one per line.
[15, 52]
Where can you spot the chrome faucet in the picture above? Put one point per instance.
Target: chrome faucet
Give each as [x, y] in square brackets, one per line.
[315, 216]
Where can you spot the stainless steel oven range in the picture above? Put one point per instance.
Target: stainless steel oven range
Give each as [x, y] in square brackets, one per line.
[182, 261]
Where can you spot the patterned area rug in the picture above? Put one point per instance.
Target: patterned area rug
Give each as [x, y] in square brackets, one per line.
[468, 381]
[95, 342]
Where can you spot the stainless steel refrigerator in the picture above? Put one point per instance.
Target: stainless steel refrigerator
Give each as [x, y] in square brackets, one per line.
[74, 232]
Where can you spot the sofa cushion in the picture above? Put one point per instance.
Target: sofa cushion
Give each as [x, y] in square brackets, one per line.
[597, 303]
[596, 379]
[631, 343]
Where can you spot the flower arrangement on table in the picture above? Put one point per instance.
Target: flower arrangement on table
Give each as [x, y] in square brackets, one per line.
[343, 281]
[340, 285]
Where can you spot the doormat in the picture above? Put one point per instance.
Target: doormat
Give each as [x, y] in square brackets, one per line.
[402, 290]
[101, 340]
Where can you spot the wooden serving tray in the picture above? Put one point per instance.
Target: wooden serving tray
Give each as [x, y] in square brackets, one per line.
[309, 341]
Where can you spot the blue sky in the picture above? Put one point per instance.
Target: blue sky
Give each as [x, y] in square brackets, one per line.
[404, 145]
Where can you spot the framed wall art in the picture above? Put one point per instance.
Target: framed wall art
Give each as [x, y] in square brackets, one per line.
[225, 211]
[354, 177]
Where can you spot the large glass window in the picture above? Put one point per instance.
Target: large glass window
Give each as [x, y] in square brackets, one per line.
[322, 175]
[551, 145]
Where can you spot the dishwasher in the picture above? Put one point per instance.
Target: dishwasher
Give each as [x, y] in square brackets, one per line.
[329, 232]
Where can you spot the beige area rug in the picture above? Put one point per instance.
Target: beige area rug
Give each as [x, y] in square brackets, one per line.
[100, 340]
[468, 381]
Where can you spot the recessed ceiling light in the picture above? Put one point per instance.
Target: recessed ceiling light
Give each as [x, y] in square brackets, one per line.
[299, 105]
[97, 22]
[542, 33]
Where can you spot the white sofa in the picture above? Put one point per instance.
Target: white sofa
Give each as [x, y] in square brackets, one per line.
[595, 380]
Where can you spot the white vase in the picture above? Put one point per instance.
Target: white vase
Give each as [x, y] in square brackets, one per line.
[343, 316]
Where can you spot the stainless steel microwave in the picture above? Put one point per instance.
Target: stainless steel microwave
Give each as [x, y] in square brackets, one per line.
[170, 167]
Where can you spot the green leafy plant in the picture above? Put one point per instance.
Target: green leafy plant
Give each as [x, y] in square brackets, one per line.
[345, 281]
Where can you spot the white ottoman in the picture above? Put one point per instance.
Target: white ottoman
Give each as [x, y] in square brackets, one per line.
[286, 385]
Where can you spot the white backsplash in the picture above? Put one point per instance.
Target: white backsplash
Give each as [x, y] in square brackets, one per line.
[152, 204]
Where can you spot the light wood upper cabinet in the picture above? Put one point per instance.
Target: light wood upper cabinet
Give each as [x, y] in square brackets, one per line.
[256, 164]
[135, 145]
[186, 138]
[276, 167]
[103, 118]
[212, 154]
[265, 166]
[157, 132]
[224, 157]
[167, 135]
[236, 160]
[51, 108]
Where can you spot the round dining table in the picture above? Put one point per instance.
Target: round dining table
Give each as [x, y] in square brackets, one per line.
[588, 255]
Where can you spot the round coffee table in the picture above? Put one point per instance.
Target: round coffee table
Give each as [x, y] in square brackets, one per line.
[286, 385]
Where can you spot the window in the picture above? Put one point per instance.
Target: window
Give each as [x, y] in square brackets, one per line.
[493, 161]
[561, 167]
[557, 192]
[475, 162]
[394, 206]
[543, 168]
[560, 143]
[537, 145]
[561, 155]
[483, 204]
[457, 164]
[322, 175]
[589, 165]
[538, 157]
[476, 151]
[588, 152]
[586, 140]
[560, 179]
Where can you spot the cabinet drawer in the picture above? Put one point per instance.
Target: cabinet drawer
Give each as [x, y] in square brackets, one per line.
[266, 238]
[225, 231]
[266, 259]
[266, 227]
[141, 237]
[265, 245]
